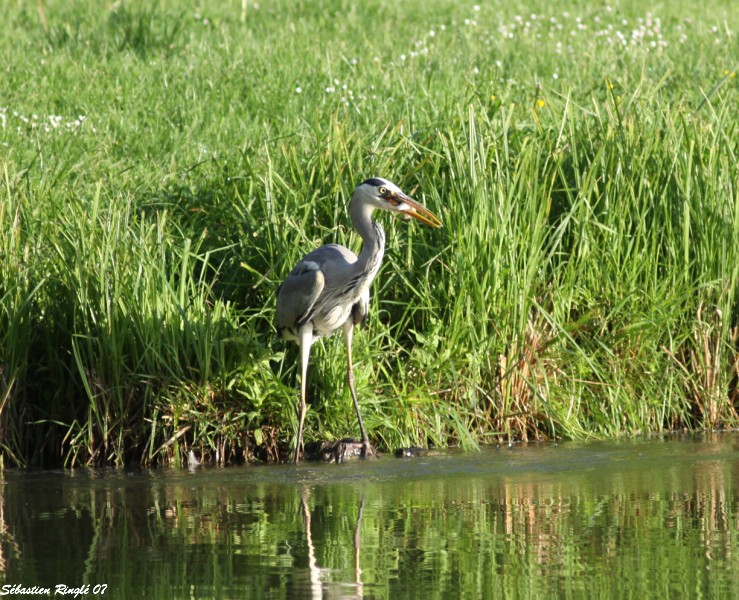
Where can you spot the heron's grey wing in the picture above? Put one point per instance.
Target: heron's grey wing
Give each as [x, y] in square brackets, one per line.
[297, 296]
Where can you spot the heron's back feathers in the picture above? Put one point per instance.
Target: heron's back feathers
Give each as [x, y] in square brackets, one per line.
[323, 289]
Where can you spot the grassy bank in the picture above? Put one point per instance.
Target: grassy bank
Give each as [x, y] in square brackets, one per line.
[163, 167]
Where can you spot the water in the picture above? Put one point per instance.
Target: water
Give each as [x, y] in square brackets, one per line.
[629, 519]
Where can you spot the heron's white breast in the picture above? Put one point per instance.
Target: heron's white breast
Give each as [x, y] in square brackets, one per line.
[328, 321]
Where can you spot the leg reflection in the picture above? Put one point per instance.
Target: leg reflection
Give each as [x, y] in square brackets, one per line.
[316, 589]
[334, 589]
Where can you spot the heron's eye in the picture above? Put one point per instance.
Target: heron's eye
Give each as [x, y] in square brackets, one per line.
[382, 191]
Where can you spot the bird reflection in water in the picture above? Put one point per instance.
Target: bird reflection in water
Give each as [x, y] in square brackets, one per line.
[343, 591]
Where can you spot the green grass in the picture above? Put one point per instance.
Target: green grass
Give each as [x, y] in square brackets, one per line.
[162, 167]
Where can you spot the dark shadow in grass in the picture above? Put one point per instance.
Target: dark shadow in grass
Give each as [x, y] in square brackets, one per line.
[143, 29]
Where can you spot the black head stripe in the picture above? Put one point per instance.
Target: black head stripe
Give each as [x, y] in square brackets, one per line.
[375, 181]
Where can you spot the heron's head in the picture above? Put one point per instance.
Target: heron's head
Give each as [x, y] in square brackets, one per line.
[384, 194]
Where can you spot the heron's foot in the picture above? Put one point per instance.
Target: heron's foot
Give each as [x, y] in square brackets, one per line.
[338, 451]
[298, 452]
[368, 451]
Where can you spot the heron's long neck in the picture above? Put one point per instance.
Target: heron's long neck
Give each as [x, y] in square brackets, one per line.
[373, 236]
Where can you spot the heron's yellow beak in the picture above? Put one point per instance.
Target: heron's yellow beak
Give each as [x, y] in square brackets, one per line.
[419, 212]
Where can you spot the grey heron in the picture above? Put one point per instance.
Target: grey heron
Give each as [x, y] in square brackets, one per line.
[329, 287]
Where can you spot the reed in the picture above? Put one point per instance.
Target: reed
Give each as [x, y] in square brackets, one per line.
[163, 168]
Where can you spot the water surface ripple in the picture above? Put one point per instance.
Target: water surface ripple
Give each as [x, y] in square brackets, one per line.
[641, 518]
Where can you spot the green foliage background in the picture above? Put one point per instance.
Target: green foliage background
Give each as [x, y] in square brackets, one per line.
[164, 164]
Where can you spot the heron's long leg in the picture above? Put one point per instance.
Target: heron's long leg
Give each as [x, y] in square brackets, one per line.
[348, 332]
[305, 341]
